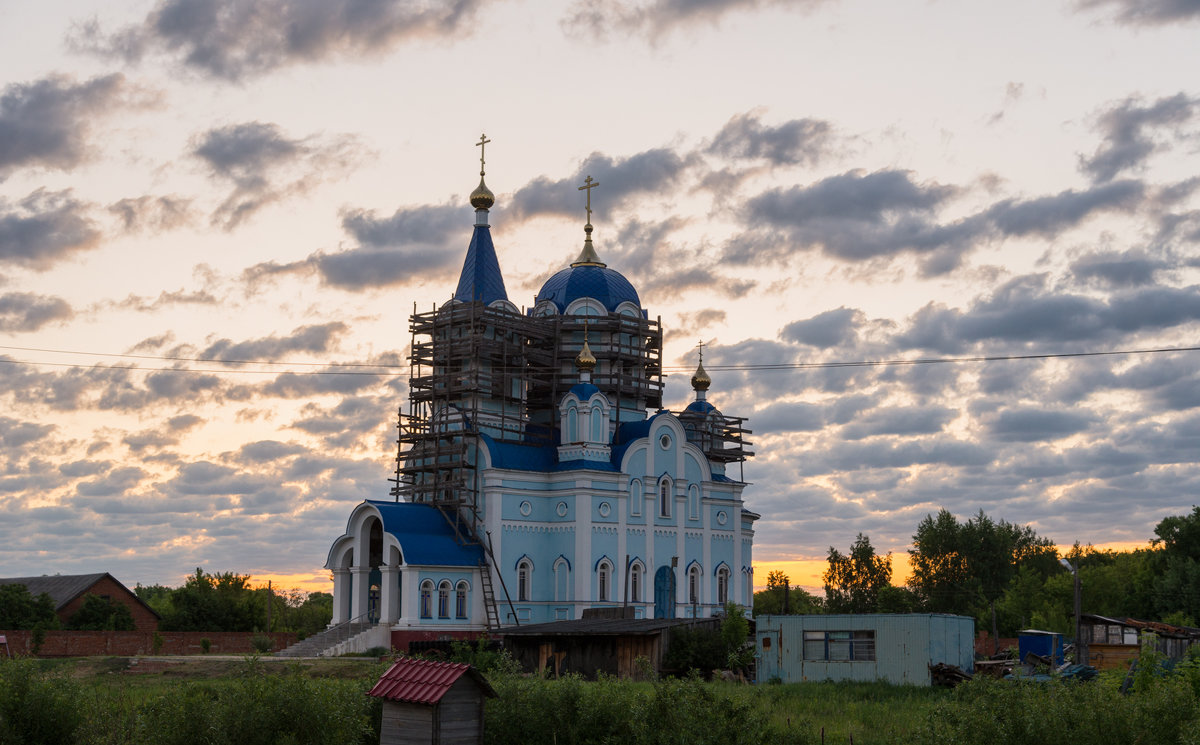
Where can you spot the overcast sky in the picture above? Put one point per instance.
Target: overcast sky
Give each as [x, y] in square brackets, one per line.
[190, 184]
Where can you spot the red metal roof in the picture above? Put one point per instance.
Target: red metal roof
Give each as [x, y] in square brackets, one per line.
[416, 681]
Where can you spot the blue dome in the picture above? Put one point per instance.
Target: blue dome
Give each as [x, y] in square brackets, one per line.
[597, 282]
[584, 391]
[702, 407]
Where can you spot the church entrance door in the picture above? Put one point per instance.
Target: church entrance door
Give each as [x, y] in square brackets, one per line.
[664, 592]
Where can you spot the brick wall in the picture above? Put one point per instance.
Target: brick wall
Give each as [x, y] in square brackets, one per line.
[983, 644]
[129, 643]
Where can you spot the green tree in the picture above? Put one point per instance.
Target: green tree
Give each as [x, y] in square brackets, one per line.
[1177, 587]
[780, 599]
[214, 602]
[967, 567]
[853, 581]
[101, 614]
[21, 610]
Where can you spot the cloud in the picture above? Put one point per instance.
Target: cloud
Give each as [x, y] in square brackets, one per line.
[43, 229]
[899, 420]
[238, 39]
[25, 311]
[799, 141]
[264, 165]
[618, 179]
[829, 329]
[1048, 216]
[16, 434]
[853, 216]
[859, 216]
[1147, 12]
[1127, 129]
[1026, 310]
[1130, 268]
[655, 17]
[153, 214]
[1037, 424]
[313, 339]
[47, 122]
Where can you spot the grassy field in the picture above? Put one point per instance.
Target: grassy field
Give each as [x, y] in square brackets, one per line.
[212, 701]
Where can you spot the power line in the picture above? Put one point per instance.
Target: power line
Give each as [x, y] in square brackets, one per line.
[388, 369]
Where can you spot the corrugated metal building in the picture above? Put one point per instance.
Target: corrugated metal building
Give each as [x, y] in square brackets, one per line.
[894, 648]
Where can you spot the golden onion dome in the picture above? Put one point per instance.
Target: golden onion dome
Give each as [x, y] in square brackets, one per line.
[482, 198]
[585, 361]
[700, 379]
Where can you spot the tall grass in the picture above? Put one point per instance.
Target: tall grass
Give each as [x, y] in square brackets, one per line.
[44, 707]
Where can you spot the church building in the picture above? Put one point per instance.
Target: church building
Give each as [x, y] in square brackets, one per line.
[538, 475]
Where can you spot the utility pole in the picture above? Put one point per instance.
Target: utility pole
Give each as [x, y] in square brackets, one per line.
[1080, 648]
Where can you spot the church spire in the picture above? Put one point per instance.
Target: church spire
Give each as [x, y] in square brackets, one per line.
[481, 279]
[588, 256]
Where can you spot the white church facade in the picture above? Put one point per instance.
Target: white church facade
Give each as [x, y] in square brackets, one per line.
[538, 474]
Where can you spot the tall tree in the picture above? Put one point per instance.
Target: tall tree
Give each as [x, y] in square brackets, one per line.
[101, 614]
[21, 610]
[1177, 588]
[966, 567]
[853, 581]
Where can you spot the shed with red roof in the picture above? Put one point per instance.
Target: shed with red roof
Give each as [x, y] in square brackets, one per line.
[431, 703]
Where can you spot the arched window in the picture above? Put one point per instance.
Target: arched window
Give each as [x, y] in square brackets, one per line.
[597, 424]
[444, 599]
[694, 502]
[723, 585]
[427, 599]
[524, 575]
[562, 580]
[460, 600]
[635, 583]
[694, 584]
[636, 497]
[604, 577]
[664, 498]
[572, 425]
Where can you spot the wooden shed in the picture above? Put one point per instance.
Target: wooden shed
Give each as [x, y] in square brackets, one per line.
[596, 645]
[431, 703]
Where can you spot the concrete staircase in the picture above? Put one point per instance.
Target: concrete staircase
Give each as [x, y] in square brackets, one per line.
[358, 635]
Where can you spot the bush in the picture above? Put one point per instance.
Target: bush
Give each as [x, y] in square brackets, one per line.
[36, 708]
[262, 643]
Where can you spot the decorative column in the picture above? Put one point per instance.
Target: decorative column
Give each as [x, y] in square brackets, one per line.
[408, 584]
[361, 577]
[341, 580]
[388, 595]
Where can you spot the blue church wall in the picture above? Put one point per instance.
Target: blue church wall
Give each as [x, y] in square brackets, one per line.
[435, 616]
[637, 462]
[538, 508]
[604, 510]
[693, 545]
[664, 549]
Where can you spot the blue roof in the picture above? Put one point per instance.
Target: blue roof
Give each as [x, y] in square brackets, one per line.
[520, 457]
[584, 391]
[702, 407]
[597, 282]
[425, 536]
[481, 279]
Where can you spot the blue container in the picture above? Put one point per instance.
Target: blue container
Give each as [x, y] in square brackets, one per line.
[1047, 644]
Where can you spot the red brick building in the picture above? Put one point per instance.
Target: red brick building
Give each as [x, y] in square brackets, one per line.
[68, 592]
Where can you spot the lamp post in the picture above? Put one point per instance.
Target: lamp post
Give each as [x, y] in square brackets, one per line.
[1080, 648]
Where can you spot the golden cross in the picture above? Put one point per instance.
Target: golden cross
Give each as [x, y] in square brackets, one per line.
[483, 140]
[701, 345]
[588, 185]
